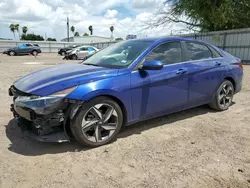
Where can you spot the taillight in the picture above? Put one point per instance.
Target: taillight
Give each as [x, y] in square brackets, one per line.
[239, 64]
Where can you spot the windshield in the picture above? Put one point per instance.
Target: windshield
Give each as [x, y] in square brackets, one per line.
[119, 55]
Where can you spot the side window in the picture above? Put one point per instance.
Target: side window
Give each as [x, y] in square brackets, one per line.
[83, 49]
[28, 45]
[168, 53]
[90, 49]
[198, 51]
[215, 53]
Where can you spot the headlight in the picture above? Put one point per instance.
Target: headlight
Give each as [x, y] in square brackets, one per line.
[65, 92]
[43, 105]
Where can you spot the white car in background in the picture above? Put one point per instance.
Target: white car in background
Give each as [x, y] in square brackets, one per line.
[80, 52]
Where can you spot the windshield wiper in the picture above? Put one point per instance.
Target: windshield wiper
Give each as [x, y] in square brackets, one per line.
[91, 64]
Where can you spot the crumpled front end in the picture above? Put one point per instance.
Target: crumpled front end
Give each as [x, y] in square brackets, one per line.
[43, 118]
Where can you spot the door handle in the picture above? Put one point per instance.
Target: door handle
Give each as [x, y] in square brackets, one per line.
[181, 71]
[217, 63]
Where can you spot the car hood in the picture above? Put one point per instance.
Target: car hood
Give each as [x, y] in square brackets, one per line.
[14, 48]
[69, 51]
[51, 80]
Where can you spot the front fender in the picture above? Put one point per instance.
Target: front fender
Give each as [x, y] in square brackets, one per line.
[117, 87]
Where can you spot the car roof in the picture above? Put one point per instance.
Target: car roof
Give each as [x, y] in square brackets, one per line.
[85, 46]
[169, 38]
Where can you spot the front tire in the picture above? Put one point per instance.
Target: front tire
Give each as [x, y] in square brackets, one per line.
[98, 122]
[74, 57]
[224, 96]
[11, 53]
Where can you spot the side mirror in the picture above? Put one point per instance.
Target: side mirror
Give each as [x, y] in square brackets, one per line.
[151, 65]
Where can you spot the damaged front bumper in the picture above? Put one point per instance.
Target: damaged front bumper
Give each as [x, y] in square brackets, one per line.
[44, 119]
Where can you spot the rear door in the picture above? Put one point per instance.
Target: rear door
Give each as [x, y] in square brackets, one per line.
[83, 51]
[206, 68]
[91, 50]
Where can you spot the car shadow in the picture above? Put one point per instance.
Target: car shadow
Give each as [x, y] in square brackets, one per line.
[138, 128]
[23, 145]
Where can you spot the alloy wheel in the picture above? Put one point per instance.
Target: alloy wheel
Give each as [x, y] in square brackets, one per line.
[34, 53]
[226, 96]
[99, 122]
[12, 53]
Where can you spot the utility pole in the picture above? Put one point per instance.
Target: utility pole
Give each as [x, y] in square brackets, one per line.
[68, 28]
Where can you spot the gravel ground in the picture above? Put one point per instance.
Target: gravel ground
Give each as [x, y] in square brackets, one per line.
[194, 148]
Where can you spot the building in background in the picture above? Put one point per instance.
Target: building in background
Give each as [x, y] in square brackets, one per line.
[88, 39]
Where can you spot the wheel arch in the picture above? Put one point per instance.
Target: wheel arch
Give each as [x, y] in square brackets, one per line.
[119, 102]
[231, 79]
[12, 51]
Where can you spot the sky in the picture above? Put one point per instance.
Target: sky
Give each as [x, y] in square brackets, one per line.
[48, 17]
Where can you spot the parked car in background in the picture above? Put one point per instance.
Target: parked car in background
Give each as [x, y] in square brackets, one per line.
[80, 52]
[62, 51]
[24, 49]
[125, 83]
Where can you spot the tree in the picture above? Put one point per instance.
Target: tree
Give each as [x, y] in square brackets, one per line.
[112, 30]
[32, 37]
[118, 39]
[51, 39]
[208, 15]
[76, 34]
[17, 29]
[25, 29]
[85, 34]
[72, 30]
[12, 29]
[91, 29]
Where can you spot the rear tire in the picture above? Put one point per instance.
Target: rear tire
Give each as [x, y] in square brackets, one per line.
[11, 53]
[224, 96]
[97, 122]
[34, 53]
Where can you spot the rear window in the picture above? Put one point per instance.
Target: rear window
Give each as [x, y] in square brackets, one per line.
[215, 53]
[198, 51]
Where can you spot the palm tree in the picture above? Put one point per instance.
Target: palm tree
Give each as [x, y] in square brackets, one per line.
[76, 34]
[112, 31]
[25, 29]
[17, 29]
[91, 29]
[72, 30]
[12, 29]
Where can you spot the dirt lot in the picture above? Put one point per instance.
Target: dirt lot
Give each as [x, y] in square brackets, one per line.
[193, 148]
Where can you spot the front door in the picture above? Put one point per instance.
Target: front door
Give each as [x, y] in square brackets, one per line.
[156, 92]
[25, 48]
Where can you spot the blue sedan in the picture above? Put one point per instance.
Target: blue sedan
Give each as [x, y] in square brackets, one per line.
[125, 83]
